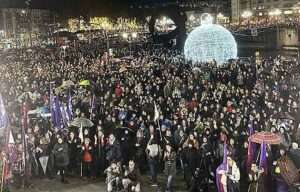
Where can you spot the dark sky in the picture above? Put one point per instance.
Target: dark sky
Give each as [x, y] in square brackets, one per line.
[84, 7]
[55, 4]
[102, 7]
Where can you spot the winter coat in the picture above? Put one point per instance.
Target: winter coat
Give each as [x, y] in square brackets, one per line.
[60, 151]
[113, 152]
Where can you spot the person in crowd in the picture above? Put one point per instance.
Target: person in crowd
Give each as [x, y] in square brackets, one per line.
[60, 151]
[153, 152]
[74, 150]
[99, 152]
[87, 158]
[233, 176]
[256, 183]
[170, 166]
[113, 178]
[113, 150]
[132, 178]
[199, 110]
[190, 161]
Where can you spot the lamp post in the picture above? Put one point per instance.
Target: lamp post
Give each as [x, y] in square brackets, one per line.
[129, 38]
[247, 15]
[105, 26]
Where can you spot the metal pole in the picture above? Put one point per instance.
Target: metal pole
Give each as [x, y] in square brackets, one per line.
[24, 143]
[107, 46]
[3, 172]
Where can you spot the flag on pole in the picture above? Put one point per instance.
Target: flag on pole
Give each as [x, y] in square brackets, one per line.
[44, 162]
[12, 150]
[69, 109]
[24, 113]
[11, 139]
[64, 115]
[55, 110]
[263, 164]
[92, 106]
[58, 116]
[24, 125]
[80, 135]
[156, 112]
[222, 168]
[250, 153]
[3, 115]
[52, 106]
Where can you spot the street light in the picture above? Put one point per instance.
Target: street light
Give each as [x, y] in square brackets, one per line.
[134, 35]
[125, 35]
[192, 18]
[129, 38]
[275, 12]
[247, 14]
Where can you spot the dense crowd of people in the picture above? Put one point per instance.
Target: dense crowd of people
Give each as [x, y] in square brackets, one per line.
[150, 107]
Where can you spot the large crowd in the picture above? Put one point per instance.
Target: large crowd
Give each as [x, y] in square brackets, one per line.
[152, 107]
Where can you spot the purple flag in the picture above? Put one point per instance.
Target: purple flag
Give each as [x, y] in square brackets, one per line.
[263, 157]
[57, 112]
[250, 153]
[69, 109]
[225, 153]
[64, 115]
[3, 115]
[222, 167]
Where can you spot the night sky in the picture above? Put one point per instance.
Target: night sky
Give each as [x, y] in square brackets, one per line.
[58, 4]
[93, 7]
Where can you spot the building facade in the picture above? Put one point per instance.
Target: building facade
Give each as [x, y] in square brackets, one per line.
[24, 27]
[260, 7]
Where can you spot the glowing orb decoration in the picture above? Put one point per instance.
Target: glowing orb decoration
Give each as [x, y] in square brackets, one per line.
[210, 42]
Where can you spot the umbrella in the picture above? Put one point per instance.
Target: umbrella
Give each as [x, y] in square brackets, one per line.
[266, 137]
[122, 69]
[125, 128]
[119, 131]
[294, 155]
[197, 69]
[116, 60]
[58, 90]
[127, 58]
[80, 121]
[67, 84]
[85, 83]
[284, 115]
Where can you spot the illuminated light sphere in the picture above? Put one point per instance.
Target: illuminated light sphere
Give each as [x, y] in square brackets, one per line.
[210, 42]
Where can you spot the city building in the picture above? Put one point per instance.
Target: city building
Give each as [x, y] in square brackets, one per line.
[245, 8]
[23, 27]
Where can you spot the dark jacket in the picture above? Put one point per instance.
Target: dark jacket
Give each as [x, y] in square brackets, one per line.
[113, 152]
[61, 155]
